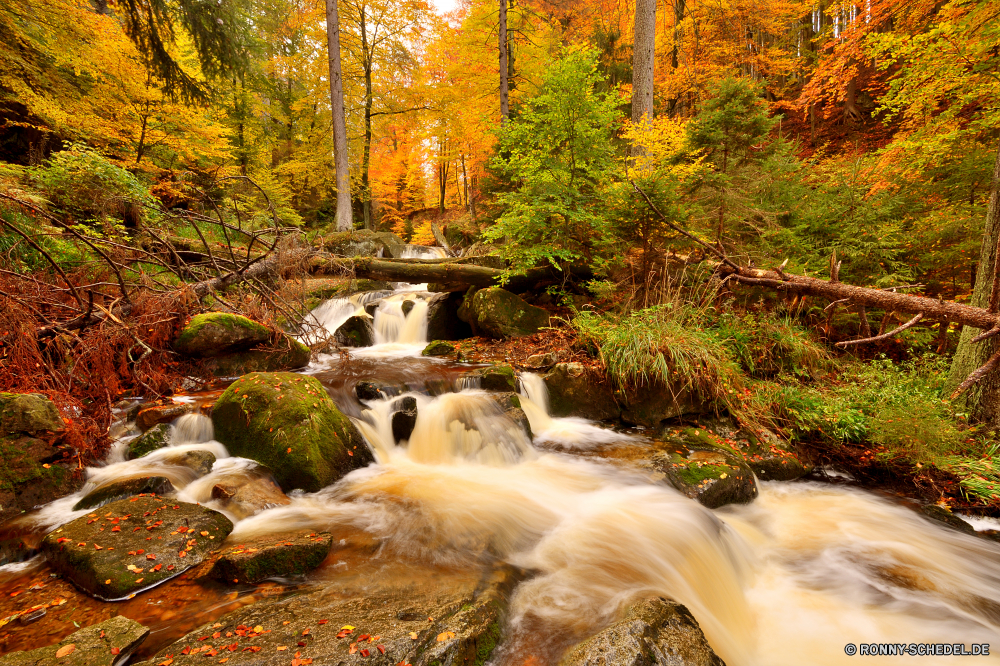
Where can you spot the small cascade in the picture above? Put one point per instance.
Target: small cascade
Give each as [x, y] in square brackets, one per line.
[567, 432]
[455, 427]
[192, 429]
[332, 314]
[393, 325]
[423, 252]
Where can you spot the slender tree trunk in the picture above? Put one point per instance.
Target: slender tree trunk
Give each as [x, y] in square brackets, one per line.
[502, 40]
[366, 192]
[141, 150]
[465, 185]
[982, 401]
[345, 217]
[675, 106]
[643, 58]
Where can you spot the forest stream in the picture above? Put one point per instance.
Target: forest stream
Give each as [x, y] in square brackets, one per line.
[788, 579]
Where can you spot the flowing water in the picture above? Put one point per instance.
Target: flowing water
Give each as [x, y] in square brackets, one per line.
[789, 579]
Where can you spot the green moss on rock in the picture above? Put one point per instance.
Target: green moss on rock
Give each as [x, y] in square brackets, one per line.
[171, 537]
[711, 476]
[109, 642]
[438, 348]
[288, 423]
[499, 314]
[155, 438]
[28, 412]
[267, 557]
[217, 333]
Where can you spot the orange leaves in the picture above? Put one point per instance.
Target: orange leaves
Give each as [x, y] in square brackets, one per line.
[65, 650]
[445, 636]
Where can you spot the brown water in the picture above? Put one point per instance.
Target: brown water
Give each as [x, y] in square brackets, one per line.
[789, 579]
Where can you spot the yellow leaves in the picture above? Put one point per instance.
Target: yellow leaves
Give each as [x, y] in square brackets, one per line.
[445, 636]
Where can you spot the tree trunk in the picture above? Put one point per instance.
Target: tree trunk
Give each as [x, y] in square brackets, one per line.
[504, 110]
[366, 193]
[982, 401]
[643, 58]
[345, 217]
[851, 111]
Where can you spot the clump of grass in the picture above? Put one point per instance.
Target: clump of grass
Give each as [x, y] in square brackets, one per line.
[980, 477]
[666, 344]
[766, 346]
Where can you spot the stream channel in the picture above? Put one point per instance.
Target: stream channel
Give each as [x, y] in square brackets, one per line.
[788, 579]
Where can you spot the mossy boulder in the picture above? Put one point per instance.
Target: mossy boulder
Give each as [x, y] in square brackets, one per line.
[576, 391]
[711, 476]
[287, 354]
[133, 544]
[199, 462]
[34, 472]
[122, 488]
[218, 333]
[772, 458]
[104, 644]
[497, 313]
[653, 632]
[155, 438]
[28, 413]
[355, 332]
[438, 348]
[267, 557]
[288, 423]
[501, 377]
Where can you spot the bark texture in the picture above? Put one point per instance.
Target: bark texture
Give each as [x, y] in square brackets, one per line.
[643, 55]
[982, 401]
[345, 219]
[502, 39]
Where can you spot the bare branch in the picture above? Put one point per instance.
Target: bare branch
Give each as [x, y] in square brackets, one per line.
[883, 336]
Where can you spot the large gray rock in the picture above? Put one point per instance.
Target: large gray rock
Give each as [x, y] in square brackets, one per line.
[133, 544]
[218, 333]
[576, 391]
[34, 472]
[398, 613]
[497, 313]
[109, 642]
[156, 414]
[28, 413]
[155, 438]
[711, 476]
[654, 632]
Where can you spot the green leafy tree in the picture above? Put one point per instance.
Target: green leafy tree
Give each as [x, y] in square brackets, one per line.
[730, 130]
[558, 154]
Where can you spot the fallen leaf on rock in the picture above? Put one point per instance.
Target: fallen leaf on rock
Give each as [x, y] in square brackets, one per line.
[65, 650]
[259, 629]
[445, 636]
[413, 635]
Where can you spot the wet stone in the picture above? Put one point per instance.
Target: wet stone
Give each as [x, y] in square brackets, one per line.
[575, 391]
[247, 492]
[269, 557]
[654, 632]
[117, 490]
[438, 348]
[355, 332]
[378, 615]
[712, 477]
[200, 462]
[155, 438]
[945, 517]
[107, 643]
[151, 416]
[541, 361]
[218, 333]
[133, 544]
[28, 412]
[374, 389]
[404, 420]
